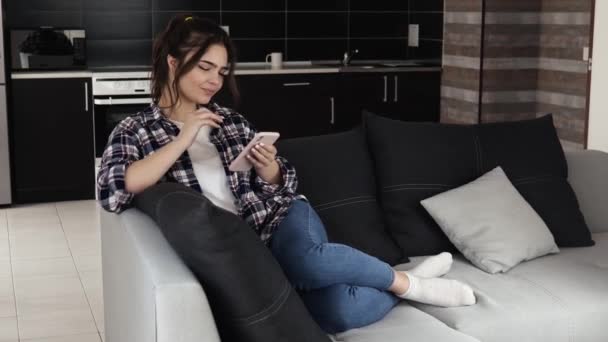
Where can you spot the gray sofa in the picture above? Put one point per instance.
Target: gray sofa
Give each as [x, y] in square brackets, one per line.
[149, 295]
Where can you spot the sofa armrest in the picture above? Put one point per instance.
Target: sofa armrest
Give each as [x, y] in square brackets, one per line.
[149, 294]
[588, 175]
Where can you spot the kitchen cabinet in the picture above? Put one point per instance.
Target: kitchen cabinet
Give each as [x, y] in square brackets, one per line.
[294, 105]
[53, 143]
[408, 96]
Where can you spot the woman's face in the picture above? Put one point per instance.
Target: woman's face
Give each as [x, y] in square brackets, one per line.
[206, 78]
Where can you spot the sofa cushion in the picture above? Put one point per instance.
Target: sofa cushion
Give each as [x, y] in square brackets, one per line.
[414, 161]
[335, 173]
[491, 223]
[559, 297]
[531, 155]
[405, 323]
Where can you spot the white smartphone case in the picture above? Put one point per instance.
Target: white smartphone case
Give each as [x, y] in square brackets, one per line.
[240, 163]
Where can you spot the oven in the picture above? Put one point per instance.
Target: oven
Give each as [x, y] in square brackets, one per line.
[116, 96]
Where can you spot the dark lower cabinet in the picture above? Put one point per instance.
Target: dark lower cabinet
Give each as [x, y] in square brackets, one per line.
[53, 129]
[407, 96]
[416, 96]
[53, 143]
[293, 105]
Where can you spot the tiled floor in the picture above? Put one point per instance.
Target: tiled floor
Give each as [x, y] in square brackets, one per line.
[50, 273]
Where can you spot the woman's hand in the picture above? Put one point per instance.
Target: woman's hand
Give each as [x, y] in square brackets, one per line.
[262, 156]
[194, 122]
[263, 159]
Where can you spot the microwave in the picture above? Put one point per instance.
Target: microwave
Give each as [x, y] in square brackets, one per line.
[47, 47]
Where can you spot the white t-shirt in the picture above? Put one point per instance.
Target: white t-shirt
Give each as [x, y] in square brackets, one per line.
[209, 170]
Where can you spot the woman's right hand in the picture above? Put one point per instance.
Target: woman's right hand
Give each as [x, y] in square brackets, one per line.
[194, 122]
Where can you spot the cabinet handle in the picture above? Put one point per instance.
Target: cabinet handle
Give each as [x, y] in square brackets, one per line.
[333, 112]
[396, 98]
[86, 97]
[385, 89]
[296, 84]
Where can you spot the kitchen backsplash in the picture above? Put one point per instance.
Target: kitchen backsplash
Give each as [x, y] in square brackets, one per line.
[120, 32]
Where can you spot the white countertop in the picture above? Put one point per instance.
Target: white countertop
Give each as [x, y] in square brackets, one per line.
[242, 69]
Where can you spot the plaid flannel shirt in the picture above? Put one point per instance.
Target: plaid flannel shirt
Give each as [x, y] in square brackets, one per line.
[262, 205]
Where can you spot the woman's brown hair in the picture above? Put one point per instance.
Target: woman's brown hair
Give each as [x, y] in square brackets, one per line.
[183, 34]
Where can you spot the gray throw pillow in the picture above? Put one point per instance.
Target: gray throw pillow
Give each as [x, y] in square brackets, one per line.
[490, 223]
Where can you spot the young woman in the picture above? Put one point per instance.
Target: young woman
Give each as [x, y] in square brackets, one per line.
[185, 137]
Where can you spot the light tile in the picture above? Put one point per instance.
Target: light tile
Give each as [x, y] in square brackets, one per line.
[96, 303]
[5, 253]
[47, 305]
[35, 228]
[89, 245]
[71, 338]
[38, 246]
[83, 233]
[33, 214]
[67, 207]
[85, 263]
[59, 323]
[47, 287]
[8, 329]
[30, 268]
[6, 287]
[81, 227]
[92, 281]
[7, 307]
[3, 226]
[103, 336]
[5, 269]
[31, 209]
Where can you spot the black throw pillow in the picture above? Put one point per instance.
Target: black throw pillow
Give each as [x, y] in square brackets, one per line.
[414, 161]
[531, 155]
[250, 297]
[335, 173]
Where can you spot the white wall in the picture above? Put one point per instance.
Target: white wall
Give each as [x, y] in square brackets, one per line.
[598, 107]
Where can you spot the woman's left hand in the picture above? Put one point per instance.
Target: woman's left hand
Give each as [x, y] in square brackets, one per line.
[262, 156]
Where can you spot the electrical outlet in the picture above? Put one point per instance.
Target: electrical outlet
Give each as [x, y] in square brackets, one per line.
[413, 31]
[226, 28]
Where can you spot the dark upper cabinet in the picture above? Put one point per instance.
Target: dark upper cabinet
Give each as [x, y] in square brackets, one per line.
[116, 5]
[293, 105]
[53, 145]
[426, 5]
[267, 24]
[317, 24]
[248, 5]
[185, 5]
[317, 5]
[378, 5]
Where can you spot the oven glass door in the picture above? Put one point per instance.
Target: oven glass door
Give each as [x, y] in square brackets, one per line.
[109, 112]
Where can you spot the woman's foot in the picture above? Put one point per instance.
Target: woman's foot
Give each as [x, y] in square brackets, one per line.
[434, 266]
[438, 291]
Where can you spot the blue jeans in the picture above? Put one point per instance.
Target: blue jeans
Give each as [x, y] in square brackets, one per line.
[342, 287]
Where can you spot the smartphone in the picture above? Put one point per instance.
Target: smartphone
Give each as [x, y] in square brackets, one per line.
[240, 163]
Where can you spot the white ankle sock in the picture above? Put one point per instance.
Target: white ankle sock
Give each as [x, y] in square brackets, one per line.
[438, 291]
[434, 266]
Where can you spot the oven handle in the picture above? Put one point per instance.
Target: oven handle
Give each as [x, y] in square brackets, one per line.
[110, 101]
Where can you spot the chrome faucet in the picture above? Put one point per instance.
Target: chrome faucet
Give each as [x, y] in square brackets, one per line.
[348, 55]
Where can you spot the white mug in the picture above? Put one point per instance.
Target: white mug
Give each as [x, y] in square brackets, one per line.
[275, 59]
